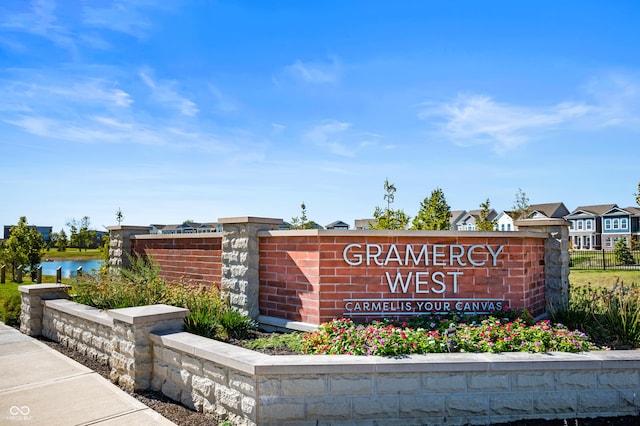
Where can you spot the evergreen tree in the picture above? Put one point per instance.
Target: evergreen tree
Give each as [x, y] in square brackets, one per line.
[485, 224]
[303, 221]
[434, 213]
[623, 253]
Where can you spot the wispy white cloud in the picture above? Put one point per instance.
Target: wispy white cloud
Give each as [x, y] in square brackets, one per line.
[477, 119]
[130, 17]
[41, 21]
[222, 102]
[315, 72]
[338, 137]
[612, 99]
[166, 93]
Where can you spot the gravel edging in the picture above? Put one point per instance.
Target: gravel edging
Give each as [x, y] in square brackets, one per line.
[183, 416]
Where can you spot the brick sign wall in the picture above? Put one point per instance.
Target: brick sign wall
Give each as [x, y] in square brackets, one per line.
[361, 274]
[313, 276]
[192, 258]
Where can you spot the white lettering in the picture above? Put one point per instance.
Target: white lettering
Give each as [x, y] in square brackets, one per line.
[394, 286]
[393, 254]
[356, 256]
[455, 279]
[495, 254]
[420, 282]
[423, 252]
[470, 252]
[437, 279]
[458, 256]
[374, 256]
[437, 254]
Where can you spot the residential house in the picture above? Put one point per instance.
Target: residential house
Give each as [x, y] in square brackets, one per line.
[363, 224]
[338, 225]
[548, 211]
[585, 230]
[620, 223]
[469, 221]
[187, 228]
[504, 222]
[456, 215]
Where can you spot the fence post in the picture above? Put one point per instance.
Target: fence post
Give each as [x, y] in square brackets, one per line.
[59, 274]
[3, 274]
[39, 275]
[604, 260]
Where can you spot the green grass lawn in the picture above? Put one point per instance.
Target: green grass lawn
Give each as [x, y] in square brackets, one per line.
[71, 254]
[603, 278]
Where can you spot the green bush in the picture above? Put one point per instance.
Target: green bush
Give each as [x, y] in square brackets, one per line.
[609, 316]
[11, 310]
[209, 314]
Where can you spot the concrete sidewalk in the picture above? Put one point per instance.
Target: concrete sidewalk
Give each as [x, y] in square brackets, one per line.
[40, 386]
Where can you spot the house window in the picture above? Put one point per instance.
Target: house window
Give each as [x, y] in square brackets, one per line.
[573, 225]
[508, 227]
[623, 223]
[616, 224]
[469, 227]
[589, 224]
[586, 241]
[580, 225]
[607, 242]
[607, 224]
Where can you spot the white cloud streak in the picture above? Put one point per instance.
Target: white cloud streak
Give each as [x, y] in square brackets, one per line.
[166, 93]
[472, 119]
[315, 72]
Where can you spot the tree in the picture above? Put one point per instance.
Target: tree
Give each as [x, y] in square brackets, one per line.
[388, 218]
[520, 209]
[637, 194]
[81, 236]
[485, 224]
[303, 221]
[119, 216]
[23, 248]
[623, 253]
[434, 213]
[62, 242]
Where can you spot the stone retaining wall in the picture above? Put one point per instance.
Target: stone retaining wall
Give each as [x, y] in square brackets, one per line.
[148, 350]
[82, 328]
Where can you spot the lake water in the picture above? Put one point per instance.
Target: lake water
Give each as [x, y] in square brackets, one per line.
[69, 267]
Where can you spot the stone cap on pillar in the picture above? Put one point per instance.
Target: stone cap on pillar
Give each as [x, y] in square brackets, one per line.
[250, 219]
[34, 289]
[135, 228]
[545, 221]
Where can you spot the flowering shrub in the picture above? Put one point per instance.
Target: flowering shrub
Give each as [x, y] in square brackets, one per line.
[440, 334]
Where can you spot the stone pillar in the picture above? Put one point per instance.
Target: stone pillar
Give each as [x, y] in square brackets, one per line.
[32, 310]
[241, 259]
[132, 357]
[120, 244]
[556, 259]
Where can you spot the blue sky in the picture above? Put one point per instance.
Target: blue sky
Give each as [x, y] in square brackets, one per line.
[198, 110]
